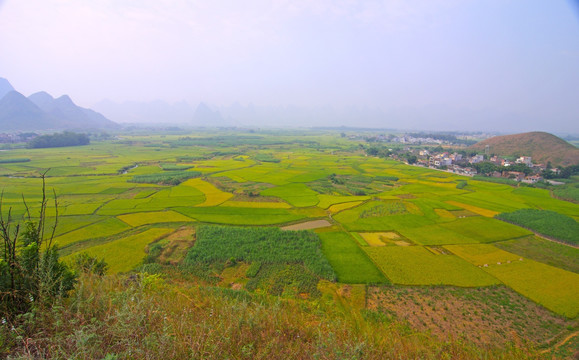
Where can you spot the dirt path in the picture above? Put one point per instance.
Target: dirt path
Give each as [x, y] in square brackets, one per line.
[561, 343]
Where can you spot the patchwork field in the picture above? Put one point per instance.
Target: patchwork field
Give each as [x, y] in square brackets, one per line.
[379, 221]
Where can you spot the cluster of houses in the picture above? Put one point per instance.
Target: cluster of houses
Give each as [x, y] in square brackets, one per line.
[16, 138]
[463, 165]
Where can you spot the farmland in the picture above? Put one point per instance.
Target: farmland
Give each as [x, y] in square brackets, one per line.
[375, 222]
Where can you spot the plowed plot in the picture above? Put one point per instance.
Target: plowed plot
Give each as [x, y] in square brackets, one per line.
[486, 316]
[308, 225]
[415, 265]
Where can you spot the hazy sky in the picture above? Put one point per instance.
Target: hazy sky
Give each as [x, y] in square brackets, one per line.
[504, 56]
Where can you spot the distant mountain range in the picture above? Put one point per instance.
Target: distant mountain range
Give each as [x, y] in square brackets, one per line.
[159, 112]
[41, 111]
[541, 146]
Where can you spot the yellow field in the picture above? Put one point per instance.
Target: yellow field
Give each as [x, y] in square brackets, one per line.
[474, 209]
[339, 207]
[257, 204]
[126, 253]
[138, 219]
[213, 196]
[483, 254]
[554, 288]
[443, 213]
[328, 200]
[379, 238]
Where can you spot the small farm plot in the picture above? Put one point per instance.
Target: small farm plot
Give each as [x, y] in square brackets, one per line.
[327, 201]
[343, 206]
[436, 235]
[499, 200]
[484, 229]
[348, 260]
[483, 254]
[382, 216]
[308, 225]
[79, 209]
[240, 216]
[264, 245]
[124, 206]
[70, 223]
[126, 253]
[156, 217]
[554, 288]
[297, 194]
[257, 204]
[213, 196]
[415, 265]
[474, 209]
[384, 238]
[107, 227]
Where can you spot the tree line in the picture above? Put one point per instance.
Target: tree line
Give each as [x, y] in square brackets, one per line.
[65, 138]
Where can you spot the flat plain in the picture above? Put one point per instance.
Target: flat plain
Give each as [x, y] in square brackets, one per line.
[384, 222]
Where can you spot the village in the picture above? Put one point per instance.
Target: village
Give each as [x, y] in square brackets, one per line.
[522, 169]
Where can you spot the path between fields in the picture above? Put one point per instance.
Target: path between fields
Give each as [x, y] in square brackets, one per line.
[561, 343]
[553, 240]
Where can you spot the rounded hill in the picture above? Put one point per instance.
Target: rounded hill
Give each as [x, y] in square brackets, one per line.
[541, 146]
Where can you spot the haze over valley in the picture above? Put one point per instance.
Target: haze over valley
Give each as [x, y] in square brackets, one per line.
[289, 179]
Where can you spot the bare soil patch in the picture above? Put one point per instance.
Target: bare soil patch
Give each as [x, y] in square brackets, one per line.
[315, 224]
[178, 243]
[491, 315]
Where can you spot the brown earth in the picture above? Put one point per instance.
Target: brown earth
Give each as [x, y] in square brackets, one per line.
[491, 315]
[541, 146]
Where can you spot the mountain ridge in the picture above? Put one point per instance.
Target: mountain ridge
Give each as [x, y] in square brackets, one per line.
[41, 111]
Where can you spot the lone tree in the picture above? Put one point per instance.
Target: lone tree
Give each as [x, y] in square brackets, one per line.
[30, 272]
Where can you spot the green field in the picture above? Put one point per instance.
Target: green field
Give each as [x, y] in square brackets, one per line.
[390, 222]
[348, 260]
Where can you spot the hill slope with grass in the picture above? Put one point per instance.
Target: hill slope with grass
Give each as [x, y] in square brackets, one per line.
[541, 146]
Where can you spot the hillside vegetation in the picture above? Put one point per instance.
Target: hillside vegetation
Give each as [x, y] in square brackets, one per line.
[541, 146]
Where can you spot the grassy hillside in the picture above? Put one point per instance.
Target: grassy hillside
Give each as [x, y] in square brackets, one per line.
[162, 316]
[541, 146]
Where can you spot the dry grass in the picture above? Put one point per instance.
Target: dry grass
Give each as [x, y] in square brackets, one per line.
[149, 317]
